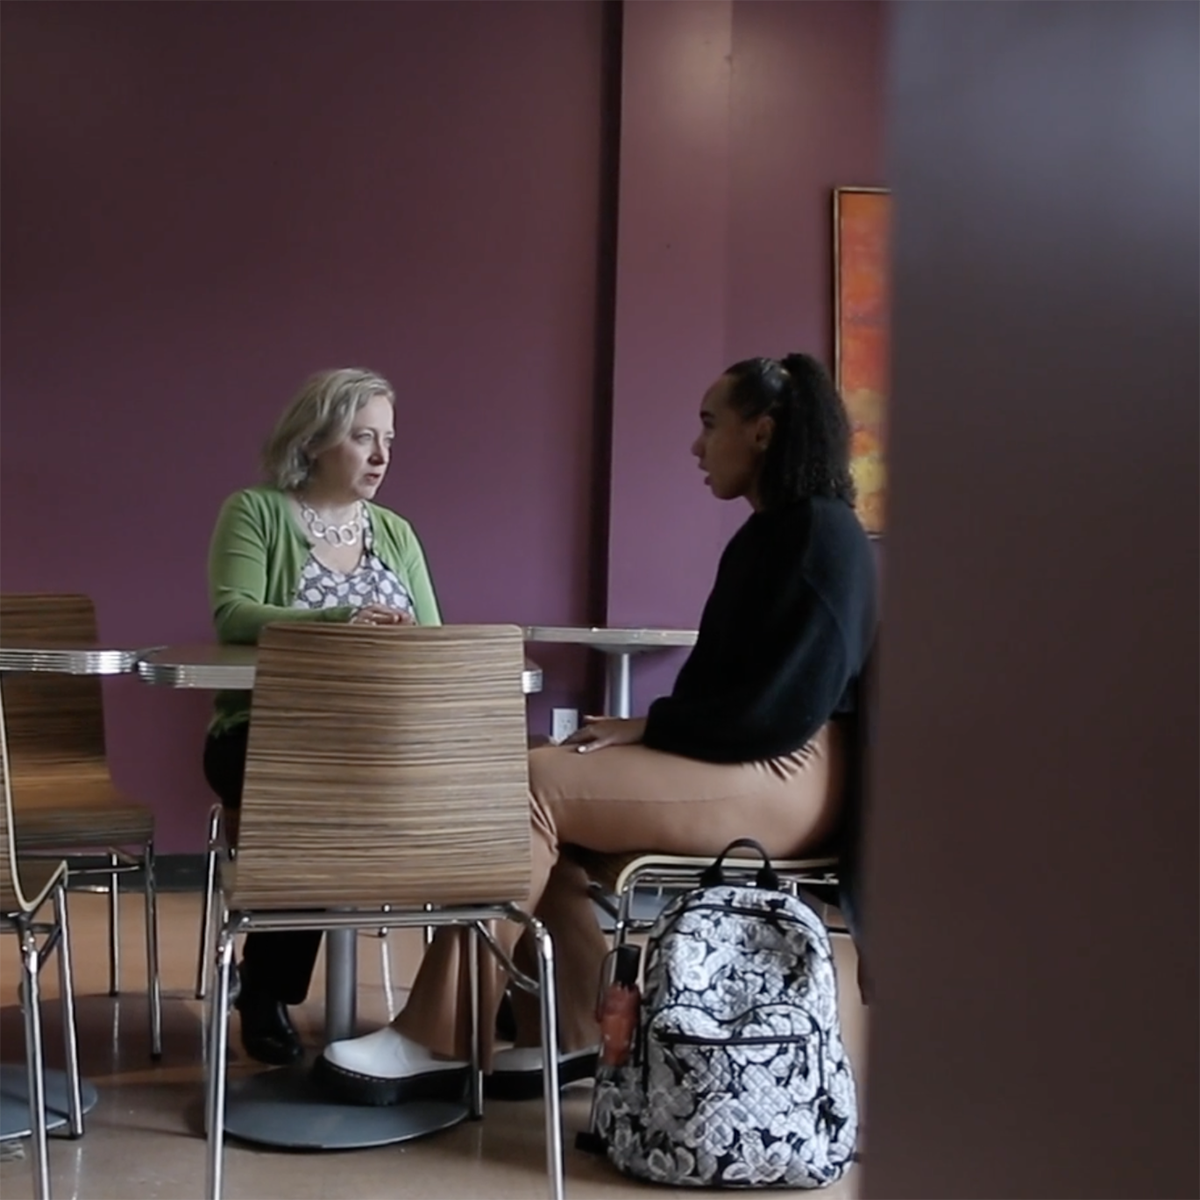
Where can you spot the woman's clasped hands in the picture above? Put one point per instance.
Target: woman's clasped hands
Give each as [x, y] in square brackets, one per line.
[380, 614]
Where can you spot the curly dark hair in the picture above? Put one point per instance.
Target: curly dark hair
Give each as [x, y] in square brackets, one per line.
[809, 453]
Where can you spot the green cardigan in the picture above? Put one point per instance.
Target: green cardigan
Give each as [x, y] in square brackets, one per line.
[254, 565]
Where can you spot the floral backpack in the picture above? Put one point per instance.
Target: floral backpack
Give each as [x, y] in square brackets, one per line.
[737, 1076]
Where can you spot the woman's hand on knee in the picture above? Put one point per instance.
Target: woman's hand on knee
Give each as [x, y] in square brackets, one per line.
[597, 732]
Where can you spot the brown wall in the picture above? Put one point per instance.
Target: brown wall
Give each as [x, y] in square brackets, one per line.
[1033, 858]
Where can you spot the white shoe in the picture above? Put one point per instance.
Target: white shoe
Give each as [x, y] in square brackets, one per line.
[385, 1067]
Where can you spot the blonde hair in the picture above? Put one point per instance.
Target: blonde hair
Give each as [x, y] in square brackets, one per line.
[318, 417]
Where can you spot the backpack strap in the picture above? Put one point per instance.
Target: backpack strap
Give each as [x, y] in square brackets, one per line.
[767, 877]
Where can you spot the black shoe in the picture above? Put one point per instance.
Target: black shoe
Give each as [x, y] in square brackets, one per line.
[235, 985]
[268, 1034]
[506, 1020]
[517, 1074]
[447, 1084]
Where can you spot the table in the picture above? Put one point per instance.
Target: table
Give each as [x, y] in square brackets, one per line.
[80, 659]
[282, 1106]
[619, 646]
[232, 667]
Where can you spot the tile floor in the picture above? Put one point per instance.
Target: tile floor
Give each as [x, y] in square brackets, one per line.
[143, 1138]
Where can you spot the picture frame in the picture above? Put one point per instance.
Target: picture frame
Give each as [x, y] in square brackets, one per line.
[862, 337]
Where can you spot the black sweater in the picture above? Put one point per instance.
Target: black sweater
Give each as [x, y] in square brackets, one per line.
[783, 637]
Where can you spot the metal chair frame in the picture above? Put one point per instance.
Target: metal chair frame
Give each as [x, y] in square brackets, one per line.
[113, 863]
[473, 918]
[20, 916]
[34, 956]
[674, 870]
[214, 845]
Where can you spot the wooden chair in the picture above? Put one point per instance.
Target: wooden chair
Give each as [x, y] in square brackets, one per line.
[386, 785]
[25, 889]
[64, 798]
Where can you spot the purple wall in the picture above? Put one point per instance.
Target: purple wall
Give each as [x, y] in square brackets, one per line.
[671, 302]
[204, 203]
[738, 120]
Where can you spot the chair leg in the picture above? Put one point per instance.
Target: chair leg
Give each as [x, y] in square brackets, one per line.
[66, 987]
[218, 1053]
[206, 914]
[34, 1064]
[548, 995]
[624, 908]
[475, 1090]
[114, 928]
[385, 970]
[153, 979]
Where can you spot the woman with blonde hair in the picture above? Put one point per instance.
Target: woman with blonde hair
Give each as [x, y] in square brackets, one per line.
[310, 544]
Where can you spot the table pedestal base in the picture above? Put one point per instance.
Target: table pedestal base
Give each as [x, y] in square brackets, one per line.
[14, 1100]
[284, 1107]
[618, 688]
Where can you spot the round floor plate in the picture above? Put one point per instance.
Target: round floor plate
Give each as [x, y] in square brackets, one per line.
[14, 1100]
[283, 1107]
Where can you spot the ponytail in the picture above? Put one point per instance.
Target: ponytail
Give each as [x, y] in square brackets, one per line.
[809, 452]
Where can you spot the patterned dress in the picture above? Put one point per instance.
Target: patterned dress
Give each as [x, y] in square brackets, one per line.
[371, 582]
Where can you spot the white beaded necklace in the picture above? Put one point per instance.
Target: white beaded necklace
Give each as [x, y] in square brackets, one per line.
[345, 534]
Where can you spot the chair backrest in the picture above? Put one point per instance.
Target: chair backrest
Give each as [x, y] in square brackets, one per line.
[11, 897]
[55, 722]
[385, 766]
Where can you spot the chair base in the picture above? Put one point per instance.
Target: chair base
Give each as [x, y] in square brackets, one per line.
[284, 1107]
[14, 1100]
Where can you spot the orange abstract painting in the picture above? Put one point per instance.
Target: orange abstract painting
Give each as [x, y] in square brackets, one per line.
[862, 336]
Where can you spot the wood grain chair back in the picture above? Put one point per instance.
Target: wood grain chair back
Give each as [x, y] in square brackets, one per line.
[14, 898]
[10, 897]
[55, 722]
[385, 766]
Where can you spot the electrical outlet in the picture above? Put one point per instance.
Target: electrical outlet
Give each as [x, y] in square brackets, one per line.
[563, 723]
